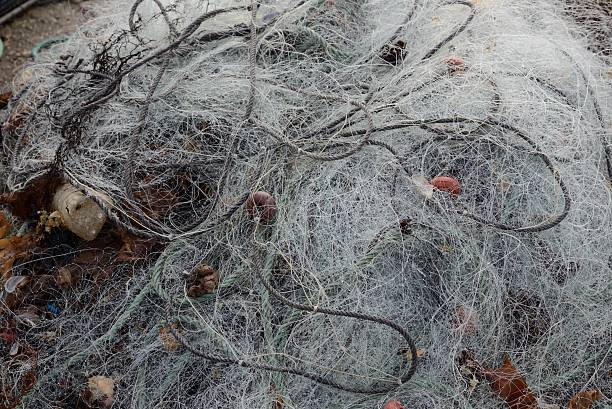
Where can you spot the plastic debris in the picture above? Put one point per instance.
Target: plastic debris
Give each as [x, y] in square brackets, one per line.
[8, 336]
[28, 316]
[12, 283]
[169, 341]
[455, 64]
[465, 320]
[422, 186]
[80, 214]
[394, 53]
[53, 309]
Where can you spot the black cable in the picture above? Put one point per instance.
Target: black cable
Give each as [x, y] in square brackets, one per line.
[455, 33]
[545, 225]
[246, 363]
[163, 11]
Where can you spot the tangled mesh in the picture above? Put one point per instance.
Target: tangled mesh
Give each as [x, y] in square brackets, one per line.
[338, 108]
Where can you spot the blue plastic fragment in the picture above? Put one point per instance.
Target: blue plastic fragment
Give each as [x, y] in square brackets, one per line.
[53, 309]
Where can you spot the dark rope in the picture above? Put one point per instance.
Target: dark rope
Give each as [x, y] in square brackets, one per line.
[163, 11]
[455, 33]
[134, 145]
[246, 363]
[545, 225]
[341, 120]
[602, 137]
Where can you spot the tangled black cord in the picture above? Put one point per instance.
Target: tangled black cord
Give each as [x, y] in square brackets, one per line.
[246, 363]
[112, 88]
[545, 225]
[457, 31]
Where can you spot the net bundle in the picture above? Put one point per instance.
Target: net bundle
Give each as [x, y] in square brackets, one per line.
[344, 112]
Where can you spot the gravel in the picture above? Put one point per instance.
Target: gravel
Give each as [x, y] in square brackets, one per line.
[38, 23]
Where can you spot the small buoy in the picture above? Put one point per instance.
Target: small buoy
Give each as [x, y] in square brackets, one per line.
[447, 184]
[393, 404]
[455, 64]
[261, 205]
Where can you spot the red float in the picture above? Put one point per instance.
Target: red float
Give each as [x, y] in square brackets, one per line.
[455, 64]
[261, 205]
[393, 404]
[446, 184]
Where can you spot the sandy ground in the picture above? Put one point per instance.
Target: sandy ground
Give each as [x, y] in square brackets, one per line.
[38, 23]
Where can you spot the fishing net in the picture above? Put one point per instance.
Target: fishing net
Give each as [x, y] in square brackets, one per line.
[343, 111]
